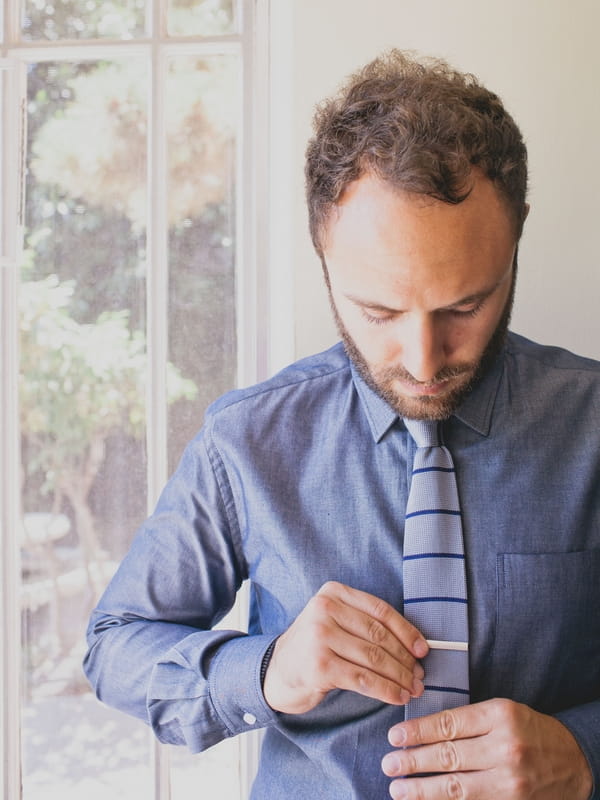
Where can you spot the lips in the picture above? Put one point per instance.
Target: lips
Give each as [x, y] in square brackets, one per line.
[423, 389]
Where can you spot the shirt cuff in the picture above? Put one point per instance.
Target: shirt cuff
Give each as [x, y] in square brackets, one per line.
[235, 686]
[584, 723]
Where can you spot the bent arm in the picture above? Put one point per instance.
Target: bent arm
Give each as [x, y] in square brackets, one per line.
[152, 651]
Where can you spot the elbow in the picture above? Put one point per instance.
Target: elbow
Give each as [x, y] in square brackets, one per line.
[98, 636]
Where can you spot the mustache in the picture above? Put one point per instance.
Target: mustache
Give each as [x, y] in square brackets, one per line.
[445, 374]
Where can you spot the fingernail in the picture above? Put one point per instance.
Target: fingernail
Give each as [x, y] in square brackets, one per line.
[398, 791]
[418, 671]
[397, 736]
[420, 648]
[417, 687]
[390, 764]
[404, 697]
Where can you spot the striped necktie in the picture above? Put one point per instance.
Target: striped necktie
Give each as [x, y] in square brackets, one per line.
[435, 588]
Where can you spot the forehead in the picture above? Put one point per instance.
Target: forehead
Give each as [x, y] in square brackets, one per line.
[400, 242]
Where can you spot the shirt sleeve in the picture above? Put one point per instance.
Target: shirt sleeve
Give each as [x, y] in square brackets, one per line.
[153, 652]
[584, 723]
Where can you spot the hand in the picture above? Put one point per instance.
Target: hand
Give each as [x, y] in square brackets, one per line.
[488, 750]
[345, 639]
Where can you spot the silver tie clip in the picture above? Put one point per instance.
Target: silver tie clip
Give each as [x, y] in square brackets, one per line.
[436, 644]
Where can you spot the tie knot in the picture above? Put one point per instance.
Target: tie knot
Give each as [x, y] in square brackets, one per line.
[424, 432]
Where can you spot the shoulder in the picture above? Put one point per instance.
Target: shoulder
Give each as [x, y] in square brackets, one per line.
[551, 381]
[549, 358]
[318, 376]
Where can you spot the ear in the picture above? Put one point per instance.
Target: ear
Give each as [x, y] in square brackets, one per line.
[527, 207]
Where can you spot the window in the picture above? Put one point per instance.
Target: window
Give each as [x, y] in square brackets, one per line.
[129, 302]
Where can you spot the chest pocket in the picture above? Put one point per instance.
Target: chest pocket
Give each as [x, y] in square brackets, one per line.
[547, 647]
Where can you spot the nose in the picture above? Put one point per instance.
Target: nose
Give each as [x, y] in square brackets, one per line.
[423, 348]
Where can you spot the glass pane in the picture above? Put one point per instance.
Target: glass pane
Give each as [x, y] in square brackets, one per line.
[202, 99]
[83, 19]
[217, 771]
[201, 17]
[83, 365]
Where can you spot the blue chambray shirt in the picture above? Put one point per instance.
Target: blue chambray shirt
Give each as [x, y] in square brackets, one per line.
[304, 479]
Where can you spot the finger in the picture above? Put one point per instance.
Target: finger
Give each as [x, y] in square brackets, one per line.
[456, 784]
[463, 755]
[352, 663]
[344, 674]
[456, 723]
[372, 658]
[374, 634]
[320, 652]
[381, 611]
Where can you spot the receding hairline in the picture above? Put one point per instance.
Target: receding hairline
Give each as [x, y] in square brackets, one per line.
[426, 198]
[449, 124]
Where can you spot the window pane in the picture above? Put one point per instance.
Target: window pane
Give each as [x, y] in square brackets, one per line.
[201, 17]
[83, 366]
[202, 99]
[83, 19]
[217, 771]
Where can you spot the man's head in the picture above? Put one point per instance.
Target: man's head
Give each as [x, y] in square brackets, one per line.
[420, 126]
[416, 184]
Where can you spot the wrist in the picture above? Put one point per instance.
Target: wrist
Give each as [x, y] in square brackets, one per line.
[266, 660]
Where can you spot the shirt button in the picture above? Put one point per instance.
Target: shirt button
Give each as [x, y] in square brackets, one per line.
[249, 718]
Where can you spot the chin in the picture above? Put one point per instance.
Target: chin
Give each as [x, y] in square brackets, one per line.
[428, 407]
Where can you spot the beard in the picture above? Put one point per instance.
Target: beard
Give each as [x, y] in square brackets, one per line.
[464, 376]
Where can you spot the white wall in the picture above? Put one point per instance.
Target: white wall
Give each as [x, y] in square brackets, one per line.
[542, 57]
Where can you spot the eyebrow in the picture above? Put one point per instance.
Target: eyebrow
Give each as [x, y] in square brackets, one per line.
[476, 297]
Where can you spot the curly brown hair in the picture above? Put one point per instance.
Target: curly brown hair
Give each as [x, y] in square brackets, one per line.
[419, 125]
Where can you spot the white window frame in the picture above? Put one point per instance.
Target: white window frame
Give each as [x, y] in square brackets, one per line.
[254, 307]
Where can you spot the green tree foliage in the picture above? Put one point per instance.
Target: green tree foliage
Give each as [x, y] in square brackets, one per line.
[121, 19]
[80, 383]
[86, 215]
[95, 149]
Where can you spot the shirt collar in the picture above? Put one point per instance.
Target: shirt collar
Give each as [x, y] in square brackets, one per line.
[475, 411]
[380, 415]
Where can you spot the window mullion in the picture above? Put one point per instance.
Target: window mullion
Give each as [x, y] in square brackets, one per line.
[11, 172]
[157, 280]
[12, 26]
[250, 164]
[157, 288]
[253, 252]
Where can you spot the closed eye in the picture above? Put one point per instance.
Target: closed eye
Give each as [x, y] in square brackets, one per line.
[467, 312]
[374, 319]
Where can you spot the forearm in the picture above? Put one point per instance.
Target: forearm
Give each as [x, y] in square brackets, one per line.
[152, 640]
[199, 710]
[193, 687]
[584, 723]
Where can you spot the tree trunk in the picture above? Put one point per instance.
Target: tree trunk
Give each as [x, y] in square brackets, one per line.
[76, 485]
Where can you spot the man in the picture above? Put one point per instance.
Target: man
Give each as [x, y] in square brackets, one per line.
[416, 183]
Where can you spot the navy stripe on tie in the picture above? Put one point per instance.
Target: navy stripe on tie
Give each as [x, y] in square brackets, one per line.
[432, 469]
[435, 555]
[434, 600]
[433, 511]
[452, 689]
